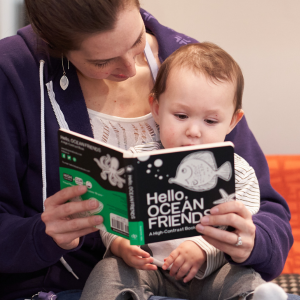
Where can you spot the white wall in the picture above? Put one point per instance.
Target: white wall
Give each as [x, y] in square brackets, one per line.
[264, 38]
[9, 17]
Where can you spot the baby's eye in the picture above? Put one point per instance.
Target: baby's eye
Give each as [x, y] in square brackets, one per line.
[181, 116]
[183, 170]
[210, 122]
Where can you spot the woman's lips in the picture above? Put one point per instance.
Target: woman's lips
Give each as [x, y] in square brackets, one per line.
[119, 76]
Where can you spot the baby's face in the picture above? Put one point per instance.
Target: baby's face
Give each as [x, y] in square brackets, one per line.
[194, 110]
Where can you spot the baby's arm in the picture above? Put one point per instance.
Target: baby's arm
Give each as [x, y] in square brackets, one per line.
[133, 256]
[187, 259]
[246, 185]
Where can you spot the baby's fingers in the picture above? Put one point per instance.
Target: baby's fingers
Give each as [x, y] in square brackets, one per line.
[170, 259]
[191, 274]
[142, 263]
[149, 267]
[137, 251]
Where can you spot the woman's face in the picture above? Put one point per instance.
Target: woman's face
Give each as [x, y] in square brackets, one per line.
[111, 55]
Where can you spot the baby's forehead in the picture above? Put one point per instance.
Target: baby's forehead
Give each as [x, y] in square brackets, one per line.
[185, 83]
[184, 71]
[215, 77]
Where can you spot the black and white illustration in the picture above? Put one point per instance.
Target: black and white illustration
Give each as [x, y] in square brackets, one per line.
[198, 172]
[110, 170]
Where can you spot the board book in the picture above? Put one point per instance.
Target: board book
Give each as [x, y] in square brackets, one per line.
[150, 196]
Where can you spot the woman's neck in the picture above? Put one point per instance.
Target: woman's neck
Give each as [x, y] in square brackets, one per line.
[126, 99]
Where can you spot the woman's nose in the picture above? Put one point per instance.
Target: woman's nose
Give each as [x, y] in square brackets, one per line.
[129, 66]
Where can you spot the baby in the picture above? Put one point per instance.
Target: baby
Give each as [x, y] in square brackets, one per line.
[197, 99]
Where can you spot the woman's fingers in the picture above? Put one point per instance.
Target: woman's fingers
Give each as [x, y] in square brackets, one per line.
[70, 240]
[230, 219]
[72, 208]
[238, 253]
[231, 207]
[57, 208]
[64, 230]
[217, 234]
[65, 194]
[73, 225]
[233, 214]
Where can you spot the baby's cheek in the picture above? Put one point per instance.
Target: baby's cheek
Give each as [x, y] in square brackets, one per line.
[168, 139]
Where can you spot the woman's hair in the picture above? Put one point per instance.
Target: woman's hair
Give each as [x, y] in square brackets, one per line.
[63, 24]
[206, 58]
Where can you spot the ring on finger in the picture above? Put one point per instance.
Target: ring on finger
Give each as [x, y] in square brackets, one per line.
[239, 241]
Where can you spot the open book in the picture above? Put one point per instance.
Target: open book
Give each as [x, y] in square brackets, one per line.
[150, 196]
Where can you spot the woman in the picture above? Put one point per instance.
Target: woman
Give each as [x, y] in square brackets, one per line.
[89, 56]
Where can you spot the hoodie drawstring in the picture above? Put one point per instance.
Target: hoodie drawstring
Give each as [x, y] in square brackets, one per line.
[62, 123]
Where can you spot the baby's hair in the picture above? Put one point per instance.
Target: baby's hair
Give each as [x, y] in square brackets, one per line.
[208, 59]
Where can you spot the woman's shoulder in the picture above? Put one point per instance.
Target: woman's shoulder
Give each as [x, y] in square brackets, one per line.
[168, 39]
[18, 54]
[21, 45]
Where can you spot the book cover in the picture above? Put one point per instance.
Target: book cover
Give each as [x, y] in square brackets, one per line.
[150, 196]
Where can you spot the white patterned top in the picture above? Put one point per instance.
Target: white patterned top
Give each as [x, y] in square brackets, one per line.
[123, 132]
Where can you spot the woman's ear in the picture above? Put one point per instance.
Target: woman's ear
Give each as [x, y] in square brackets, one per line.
[154, 105]
[235, 119]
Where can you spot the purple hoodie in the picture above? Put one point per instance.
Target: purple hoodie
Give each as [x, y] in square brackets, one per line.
[29, 258]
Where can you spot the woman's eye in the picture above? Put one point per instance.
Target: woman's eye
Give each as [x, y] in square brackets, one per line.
[210, 122]
[102, 65]
[181, 116]
[138, 41]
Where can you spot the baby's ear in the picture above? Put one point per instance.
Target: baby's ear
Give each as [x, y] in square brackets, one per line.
[235, 119]
[154, 105]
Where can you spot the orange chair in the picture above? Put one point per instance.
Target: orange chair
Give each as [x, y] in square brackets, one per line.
[285, 179]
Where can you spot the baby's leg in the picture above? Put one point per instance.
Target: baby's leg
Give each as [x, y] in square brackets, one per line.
[113, 279]
[229, 282]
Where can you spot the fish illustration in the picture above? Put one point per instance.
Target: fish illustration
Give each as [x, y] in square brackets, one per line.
[198, 172]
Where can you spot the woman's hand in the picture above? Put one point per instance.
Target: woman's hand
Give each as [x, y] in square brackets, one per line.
[64, 230]
[133, 256]
[235, 214]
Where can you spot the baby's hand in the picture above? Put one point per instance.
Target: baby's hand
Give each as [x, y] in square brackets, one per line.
[187, 259]
[133, 256]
